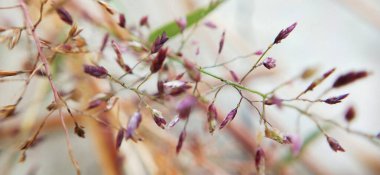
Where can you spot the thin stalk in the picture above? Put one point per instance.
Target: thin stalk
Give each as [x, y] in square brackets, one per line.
[257, 62]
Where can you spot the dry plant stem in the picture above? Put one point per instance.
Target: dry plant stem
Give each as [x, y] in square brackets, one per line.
[9, 80]
[10, 7]
[35, 135]
[27, 82]
[29, 26]
[40, 17]
[257, 62]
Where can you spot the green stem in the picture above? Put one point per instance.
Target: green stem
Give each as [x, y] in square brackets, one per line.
[232, 83]
[146, 79]
[257, 62]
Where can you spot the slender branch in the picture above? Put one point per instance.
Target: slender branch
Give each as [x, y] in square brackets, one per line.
[257, 62]
[10, 7]
[29, 26]
[232, 83]
[230, 61]
[316, 120]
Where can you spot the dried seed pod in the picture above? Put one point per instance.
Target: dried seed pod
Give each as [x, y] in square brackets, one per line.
[348, 78]
[74, 31]
[15, 37]
[64, 15]
[308, 73]
[74, 45]
[275, 135]
[212, 115]
[334, 144]
[96, 71]
[284, 33]
[7, 111]
[79, 131]
[230, 116]
[335, 100]
[106, 7]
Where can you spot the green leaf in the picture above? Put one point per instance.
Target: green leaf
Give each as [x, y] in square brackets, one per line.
[194, 17]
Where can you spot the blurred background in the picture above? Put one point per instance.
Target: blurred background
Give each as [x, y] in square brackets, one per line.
[344, 34]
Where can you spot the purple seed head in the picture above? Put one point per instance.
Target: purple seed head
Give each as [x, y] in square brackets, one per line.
[234, 76]
[258, 53]
[181, 139]
[64, 15]
[122, 20]
[184, 107]
[158, 60]
[259, 157]
[230, 116]
[192, 70]
[221, 42]
[210, 25]
[133, 124]
[334, 144]
[349, 78]
[284, 33]
[119, 137]
[350, 114]
[158, 118]
[144, 21]
[159, 42]
[269, 63]
[181, 23]
[96, 71]
[335, 100]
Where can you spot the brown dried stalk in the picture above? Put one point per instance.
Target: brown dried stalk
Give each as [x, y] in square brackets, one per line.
[30, 27]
